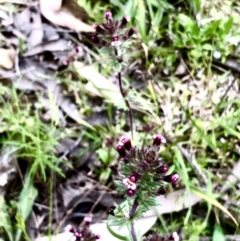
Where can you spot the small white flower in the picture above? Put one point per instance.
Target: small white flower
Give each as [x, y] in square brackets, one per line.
[129, 184]
[88, 219]
[116, 43]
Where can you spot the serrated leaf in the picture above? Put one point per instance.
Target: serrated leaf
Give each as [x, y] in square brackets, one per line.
[116, 221]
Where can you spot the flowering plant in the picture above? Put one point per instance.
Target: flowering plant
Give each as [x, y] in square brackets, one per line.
[142, 177]
[113, 38]
[142, 172]
[83, 234]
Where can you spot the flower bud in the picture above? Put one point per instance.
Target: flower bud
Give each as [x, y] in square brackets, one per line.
[77, 235]
[124, 22]
[130, 192]
[158, 139]
[162, 169]
[126, 142]
[97, 236]
[161, 191]
[87, 220]
[114, 169]
[98, 29]
[108, 15]
[96, 40]
[131, 32]
[172, 178]
[115, 38]
[121, 150]
[133, 178]
[120, 60]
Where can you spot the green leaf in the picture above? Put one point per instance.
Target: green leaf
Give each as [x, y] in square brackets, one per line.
[141, 19]
[103, 155]
[27, 198]
[218, 234]
[5, 221]
[213, 202]
[111, 222]
[185, 20]
[195, 6]
[227, 26]
[25, 203]
[207, 47]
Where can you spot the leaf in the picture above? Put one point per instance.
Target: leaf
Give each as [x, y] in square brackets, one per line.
[70, 15]
[141, 19]
[232, 178]
[99, 85]
[218, 234]
[5, 221]
[227, 26]
[103, 155]
[25, 203]
[7, 58]
[185, 20]
[27, 198]
[213, 202]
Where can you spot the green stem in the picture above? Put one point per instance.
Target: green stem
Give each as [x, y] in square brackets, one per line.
[126, 102]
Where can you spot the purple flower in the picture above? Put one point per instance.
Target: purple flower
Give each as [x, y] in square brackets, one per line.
[131, 32]
[162, 169]
[158, 140]
[129, 184]
[108, 15]
[113, 32]
[142, 170]
[121, 150]
[126, 142]
[172, 178]
[130, 192]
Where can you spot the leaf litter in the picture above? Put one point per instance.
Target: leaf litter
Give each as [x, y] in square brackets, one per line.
[31, 73]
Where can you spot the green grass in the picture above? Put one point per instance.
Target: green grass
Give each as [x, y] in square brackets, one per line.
[195, 113]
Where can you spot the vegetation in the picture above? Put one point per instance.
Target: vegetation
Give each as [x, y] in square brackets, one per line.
[181, 80]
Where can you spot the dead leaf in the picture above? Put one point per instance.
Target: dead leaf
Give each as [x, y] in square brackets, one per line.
[56, 45]
[232, 178]
[97, 84]
[100, 86]
[5, 18]
[7, 166]
[29, 22]
[64, 16]
[7, 58]
[37, 77]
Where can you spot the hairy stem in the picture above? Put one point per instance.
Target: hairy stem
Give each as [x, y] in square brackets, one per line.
[126, 102]
[133, 233]
[131, 215]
